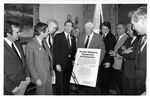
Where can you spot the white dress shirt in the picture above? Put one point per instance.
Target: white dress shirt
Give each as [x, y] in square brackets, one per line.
[51, 40]
[66, 34]
[90, 38]
[10, 44]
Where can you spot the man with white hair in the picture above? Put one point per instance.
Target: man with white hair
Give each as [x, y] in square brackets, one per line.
[52, 28]
[90, 39]
[139, 21]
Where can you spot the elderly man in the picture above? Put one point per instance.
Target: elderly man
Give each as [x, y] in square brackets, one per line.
[52, 29]
[90, 39]
[139, 21]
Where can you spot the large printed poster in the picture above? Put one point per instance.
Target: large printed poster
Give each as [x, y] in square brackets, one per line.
[86, 65]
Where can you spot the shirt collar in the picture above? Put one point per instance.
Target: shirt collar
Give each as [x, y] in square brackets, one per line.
[90, 35]
[106, 33]
[66, 34]
[8, 42]
[39, 40]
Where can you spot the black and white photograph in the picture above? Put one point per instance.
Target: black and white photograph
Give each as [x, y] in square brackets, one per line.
[74, 48]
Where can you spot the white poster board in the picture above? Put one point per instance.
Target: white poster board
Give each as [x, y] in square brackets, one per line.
[86, 66]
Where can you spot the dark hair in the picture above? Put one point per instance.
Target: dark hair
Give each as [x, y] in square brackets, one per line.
[68, 21]
[107, 24]
[8, 27]
[40, 27]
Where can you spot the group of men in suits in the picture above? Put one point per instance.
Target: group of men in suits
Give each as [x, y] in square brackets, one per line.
[46, 52]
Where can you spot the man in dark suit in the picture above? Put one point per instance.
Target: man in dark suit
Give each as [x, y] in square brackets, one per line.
[129, 85]
[139, 21]
[106, 66]
[64, 53]
[16, 73]
[90, 39]
[39, 60]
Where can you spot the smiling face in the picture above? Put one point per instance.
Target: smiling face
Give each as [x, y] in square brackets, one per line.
[120, 29]
[105, 29]
[89, 28]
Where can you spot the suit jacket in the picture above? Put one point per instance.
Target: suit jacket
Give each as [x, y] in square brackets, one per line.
[141, 65]
[61, 53]
[38, 60]
[15, 69]
[129, 59]
[109, 42]
[96, 43]
[118, 59]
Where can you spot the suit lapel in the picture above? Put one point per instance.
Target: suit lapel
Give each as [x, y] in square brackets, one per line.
[38, 45]
[120, 42]
[47, 49]
[10, 50]
[92, 41]
[64, 37]
[83, 40]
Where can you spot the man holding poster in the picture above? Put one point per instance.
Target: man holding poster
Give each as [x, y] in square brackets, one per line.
[91, 40]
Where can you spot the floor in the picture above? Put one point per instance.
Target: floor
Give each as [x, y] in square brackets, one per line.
[31, 90]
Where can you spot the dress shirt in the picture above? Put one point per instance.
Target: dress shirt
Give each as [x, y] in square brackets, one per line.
[66, 34]
[90, 38]
[10, 44]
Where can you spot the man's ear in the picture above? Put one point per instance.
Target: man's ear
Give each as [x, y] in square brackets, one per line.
[8, 35]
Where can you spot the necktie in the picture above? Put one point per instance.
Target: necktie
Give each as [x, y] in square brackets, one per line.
[68, 41]
[49, 40]
[14, 49]
[43, 45]
[117, 39]
[103, 36]
[86, 43]
[143, 42]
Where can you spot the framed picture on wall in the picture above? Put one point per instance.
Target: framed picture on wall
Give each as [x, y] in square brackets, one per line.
[26, 15]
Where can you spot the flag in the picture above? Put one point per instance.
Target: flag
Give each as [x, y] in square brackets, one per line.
[98, 18]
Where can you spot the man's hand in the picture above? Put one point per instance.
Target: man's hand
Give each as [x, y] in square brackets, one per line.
[58, 68]
[28, 79]
[107, 65]
[15, 91]
[129, 50]
[112, 53]
[38, 82]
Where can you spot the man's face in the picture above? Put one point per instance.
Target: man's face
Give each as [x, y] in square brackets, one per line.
[88, 29]
[120, 29]
[140, 26]
[15, 33]
[130, 31]
[105, 29]
[45, 34]
[52, 28]
[68, 27]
